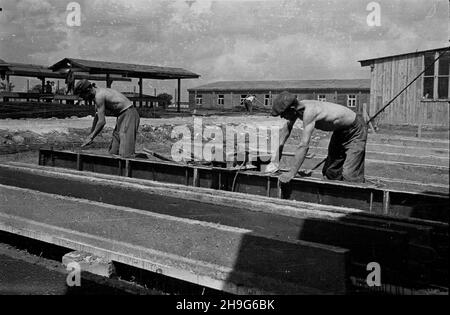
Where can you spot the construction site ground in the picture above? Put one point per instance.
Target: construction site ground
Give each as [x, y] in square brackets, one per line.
[395, 153]
[392, 152]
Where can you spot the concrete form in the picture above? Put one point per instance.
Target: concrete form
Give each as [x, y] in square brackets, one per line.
[364, 197]
[410, 250]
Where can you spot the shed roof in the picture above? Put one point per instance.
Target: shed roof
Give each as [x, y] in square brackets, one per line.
[126, 69]
[368, 62]
[38, 71]
[281, 85]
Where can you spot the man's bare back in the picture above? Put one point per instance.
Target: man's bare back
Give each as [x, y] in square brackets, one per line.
[114, 101]
[328, 116]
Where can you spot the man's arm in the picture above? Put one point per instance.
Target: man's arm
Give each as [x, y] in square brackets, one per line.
[285, 132]
[98, 124]
[309, 125]
[94, 123]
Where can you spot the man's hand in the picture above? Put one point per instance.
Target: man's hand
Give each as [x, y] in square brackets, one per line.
[305, 173]
[87, 142]
[272, 167]
[286, 177]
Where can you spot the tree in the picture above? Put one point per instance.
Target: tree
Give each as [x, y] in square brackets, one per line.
[165, 99]
[4, 86]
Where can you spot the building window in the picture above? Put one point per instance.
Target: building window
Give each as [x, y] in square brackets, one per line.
[436, 77]
[322, 97]
[220, 99]
[267, 100]
[351, 100]
[243, 97]
[199, 99]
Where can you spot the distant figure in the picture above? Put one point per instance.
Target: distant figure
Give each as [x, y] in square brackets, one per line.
[124, 136]
[248, 102]
[70, 82]
[347, 148]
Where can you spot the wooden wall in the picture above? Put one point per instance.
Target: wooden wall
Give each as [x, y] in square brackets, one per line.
[388, 78]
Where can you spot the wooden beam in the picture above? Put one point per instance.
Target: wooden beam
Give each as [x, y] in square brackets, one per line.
[179, 95]
[141, 91]
[108, 81]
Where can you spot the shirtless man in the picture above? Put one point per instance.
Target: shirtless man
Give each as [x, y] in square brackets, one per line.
[124, 135]
[347, 148]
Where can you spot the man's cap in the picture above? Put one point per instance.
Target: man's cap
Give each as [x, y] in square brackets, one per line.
[282, 102]
[82, 86]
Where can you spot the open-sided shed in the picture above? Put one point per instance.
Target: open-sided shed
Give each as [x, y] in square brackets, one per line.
[127, 70]
[42, 73]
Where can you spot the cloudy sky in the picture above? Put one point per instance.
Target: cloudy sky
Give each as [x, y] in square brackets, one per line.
[223, 39]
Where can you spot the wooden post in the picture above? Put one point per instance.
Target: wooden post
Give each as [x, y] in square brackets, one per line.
[386, 202]
[141, 90]
[42, 85]
[108, 81]
[358, 103]
[179, 95]
[8, 83]
[128, 168]
[196, 179]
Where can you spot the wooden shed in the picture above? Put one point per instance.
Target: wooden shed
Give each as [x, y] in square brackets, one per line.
[425, 102]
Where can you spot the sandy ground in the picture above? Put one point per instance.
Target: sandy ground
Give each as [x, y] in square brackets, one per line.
[43, 126]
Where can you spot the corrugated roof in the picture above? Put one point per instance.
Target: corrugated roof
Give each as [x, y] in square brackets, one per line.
[368, 62]
[130, 70]
[31, 70]
[247, 86]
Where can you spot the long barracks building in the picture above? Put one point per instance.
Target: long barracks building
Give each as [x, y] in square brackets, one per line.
[230, 94]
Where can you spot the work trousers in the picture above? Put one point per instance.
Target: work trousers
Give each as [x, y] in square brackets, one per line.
[346, 153]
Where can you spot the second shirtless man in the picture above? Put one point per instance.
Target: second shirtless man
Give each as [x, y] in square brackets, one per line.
[124, 136]
[347, 148]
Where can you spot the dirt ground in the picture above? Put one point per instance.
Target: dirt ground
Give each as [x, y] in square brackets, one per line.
[20, 139]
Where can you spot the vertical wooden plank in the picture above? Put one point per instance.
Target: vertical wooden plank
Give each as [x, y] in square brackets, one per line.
[388, 89]
[196, 178]
[128, 168]
[386, 201]
[373, 91]
[79, 162]
[404, 97]
[179, 96]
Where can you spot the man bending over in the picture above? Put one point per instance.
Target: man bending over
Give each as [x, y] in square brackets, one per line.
[124, 136]
[347, 148]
